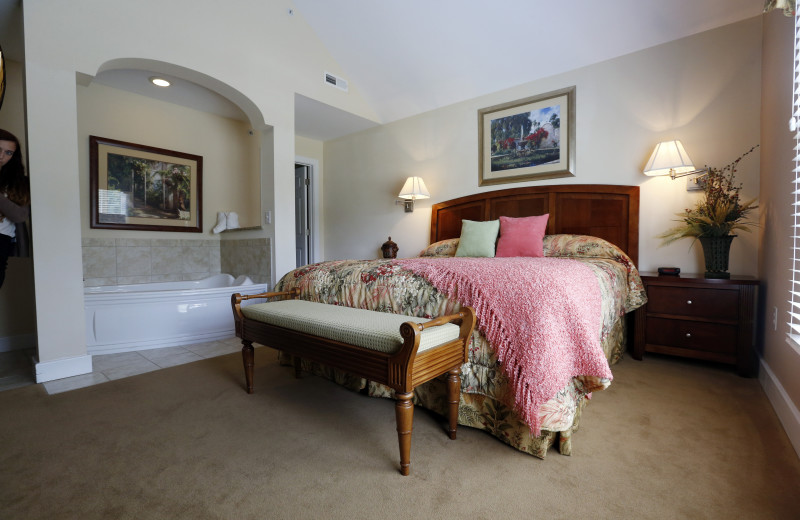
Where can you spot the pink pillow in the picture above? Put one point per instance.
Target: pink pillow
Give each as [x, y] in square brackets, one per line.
[522, 236]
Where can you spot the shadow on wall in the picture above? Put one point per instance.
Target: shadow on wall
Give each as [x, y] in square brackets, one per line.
[18, 316]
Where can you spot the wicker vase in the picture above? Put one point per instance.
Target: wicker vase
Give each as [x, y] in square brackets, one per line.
[716, 251]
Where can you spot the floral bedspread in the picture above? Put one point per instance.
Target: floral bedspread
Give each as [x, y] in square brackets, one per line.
[487, 399]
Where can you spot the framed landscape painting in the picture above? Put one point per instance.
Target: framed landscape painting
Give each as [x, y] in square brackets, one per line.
[134, 186]
[527, 139]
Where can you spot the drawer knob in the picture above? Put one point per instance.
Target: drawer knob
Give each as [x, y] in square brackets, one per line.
[689, 302]
[688, 334]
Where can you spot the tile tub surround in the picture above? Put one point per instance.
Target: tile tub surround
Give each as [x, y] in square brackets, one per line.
[119, 261]
[249, 256]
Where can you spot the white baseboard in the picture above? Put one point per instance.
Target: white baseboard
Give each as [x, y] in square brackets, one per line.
[18, 342]
[61, 368]
[787, 412]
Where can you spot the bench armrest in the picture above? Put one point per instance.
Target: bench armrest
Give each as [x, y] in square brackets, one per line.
[237, 299]
[410, 331]
[441, 320]
[466, 316]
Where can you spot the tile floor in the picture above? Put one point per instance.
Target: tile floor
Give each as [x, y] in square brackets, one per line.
[16, 367]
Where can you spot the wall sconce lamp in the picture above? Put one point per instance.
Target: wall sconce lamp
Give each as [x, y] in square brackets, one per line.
[413, 189]
[670, 158]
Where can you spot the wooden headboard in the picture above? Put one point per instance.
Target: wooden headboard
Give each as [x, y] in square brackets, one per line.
[605, 211]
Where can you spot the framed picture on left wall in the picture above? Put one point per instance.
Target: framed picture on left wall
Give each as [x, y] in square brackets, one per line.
[134, 186]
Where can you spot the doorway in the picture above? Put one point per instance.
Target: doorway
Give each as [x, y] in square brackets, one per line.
[304, 213]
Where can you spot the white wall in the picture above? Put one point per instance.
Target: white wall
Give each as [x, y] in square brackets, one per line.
[256, 52]
[704, 90]
[780, 362]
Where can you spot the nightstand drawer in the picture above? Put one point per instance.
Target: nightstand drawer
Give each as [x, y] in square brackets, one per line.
[694, 335]
[688, 301]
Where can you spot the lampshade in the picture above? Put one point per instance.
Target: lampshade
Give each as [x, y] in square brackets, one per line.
[669, 157]
[414, 188]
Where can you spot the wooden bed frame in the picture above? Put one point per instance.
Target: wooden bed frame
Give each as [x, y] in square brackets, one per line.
[605, 211]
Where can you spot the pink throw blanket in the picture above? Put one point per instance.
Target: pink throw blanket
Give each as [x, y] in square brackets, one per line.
[543, 315]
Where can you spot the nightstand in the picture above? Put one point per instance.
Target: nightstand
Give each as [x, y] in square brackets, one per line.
[701, 318]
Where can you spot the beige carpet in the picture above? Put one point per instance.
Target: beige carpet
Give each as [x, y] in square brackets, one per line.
[669, 439]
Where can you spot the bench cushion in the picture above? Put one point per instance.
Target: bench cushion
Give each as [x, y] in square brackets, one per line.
[368, 329]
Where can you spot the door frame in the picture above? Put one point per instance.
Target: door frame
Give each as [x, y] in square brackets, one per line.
[313, 206]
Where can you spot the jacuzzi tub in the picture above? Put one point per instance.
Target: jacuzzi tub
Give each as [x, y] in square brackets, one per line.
[121, 318]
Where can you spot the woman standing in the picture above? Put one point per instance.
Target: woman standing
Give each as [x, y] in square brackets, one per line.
[14, 196]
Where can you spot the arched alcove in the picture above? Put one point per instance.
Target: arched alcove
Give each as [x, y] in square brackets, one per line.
[198, 115]
[226, 91]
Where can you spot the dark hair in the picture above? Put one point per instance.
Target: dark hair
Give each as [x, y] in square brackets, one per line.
[12, 176]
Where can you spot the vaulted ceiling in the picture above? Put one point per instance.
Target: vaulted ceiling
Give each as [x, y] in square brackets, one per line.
[417, 55]
[412, 56]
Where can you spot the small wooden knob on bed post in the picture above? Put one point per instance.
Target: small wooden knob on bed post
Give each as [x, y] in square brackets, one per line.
[389, 249]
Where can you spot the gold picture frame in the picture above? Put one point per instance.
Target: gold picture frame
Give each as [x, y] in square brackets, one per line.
[527, 139]
[141, 187]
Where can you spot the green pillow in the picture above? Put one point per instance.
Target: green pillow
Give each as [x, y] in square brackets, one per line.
[478, 238]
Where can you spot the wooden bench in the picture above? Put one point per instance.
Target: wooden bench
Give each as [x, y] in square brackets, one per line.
[413, 352]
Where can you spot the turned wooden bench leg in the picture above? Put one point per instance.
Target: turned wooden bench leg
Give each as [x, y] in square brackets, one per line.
[453, 399]
[404, 412]
[247, 358]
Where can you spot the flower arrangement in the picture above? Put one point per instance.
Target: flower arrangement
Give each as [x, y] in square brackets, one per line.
[720, 211]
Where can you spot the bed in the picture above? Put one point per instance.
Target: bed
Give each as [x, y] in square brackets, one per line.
[548, 328]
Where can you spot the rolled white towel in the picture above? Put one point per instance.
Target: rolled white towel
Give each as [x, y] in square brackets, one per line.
[232, 220]
[221, 223]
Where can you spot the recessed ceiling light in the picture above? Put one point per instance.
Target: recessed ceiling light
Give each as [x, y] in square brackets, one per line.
[161, 82]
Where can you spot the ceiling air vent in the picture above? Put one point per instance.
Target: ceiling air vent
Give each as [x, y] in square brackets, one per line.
[335, 81]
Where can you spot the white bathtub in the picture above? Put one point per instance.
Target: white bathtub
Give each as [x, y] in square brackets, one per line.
[121, 318]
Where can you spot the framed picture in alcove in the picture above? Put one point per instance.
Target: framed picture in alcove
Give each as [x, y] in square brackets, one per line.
[135, 186]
